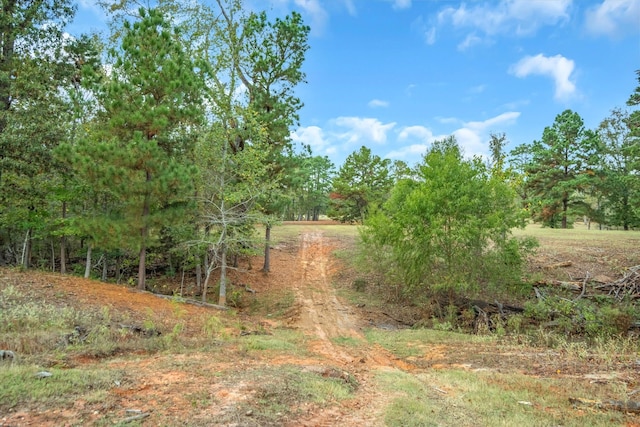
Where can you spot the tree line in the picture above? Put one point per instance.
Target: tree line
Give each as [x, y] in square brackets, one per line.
[159, 149]
[569, 173]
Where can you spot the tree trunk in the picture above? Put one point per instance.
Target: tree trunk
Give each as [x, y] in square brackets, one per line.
[205, 285]
[104, 268]
[26, 250]
[87, 268]
[182, 282]
[53, 258]
[142, 267]
[565, 205]
[198, 276]
[63, 243]
[118, 271]
[222, 297]
[144, 231]
[267, 249]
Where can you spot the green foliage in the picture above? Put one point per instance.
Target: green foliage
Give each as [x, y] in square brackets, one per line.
[561, 165]
[309, 180]
[618, 182]
[592, 318]
[138, 152]
[21, 386]
[448, 230]
[363, 181]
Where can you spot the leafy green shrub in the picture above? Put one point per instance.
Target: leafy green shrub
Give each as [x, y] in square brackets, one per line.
[583, 317]
[446, 231]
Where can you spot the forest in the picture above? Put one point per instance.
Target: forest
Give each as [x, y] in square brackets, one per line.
[165, 148]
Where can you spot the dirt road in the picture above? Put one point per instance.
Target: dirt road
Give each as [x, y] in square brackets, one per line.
[325, 319]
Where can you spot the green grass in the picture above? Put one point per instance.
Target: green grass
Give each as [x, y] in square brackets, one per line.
[20, 385]
[286, 341]
[412, 342]
[291, 231]
[579, 233]
[279, 393]
[459, 397]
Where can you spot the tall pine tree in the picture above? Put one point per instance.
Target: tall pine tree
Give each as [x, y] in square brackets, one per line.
[561, 165]
[140, 153]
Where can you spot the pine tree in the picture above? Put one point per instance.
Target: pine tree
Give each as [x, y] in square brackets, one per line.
[562, 164]
[140, 154]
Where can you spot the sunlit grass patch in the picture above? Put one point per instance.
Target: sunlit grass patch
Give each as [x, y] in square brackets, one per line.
[280, 340]
[459, 397]
[278, 392]
[21, 385]
[412, 342]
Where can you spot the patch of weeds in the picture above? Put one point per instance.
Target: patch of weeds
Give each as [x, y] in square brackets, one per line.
[199, 399]
[459, 397]
[173, 337]
[21, 386]
[414, 404]
[283, 340]
[273, 304]
[360, 285]
[409, 342]
[213, 327]
[281, 391]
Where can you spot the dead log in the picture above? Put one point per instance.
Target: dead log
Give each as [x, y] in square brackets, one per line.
[629, 406]
[562, 264]
[626, 287]
[191, 301]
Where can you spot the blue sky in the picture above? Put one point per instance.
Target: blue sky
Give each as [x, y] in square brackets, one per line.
[394, 75]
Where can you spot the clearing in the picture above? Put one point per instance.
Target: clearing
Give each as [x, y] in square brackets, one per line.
[301, 354]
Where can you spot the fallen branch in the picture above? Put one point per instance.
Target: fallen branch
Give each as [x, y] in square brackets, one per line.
[616, 405]
[191, 301]
[584, 287]
[135, 418]
[626, 287]
[559, 265]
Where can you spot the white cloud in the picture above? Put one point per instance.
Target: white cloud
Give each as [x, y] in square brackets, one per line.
[377, 103]
[421, 136]
[508, 17]
[557, 67]
[401, 4]
[613, 17]
[478, 89]
[363, 129]
[412, 152]
[470, 141]
[312, 136]
[473, 137]
[504, 118]
[470, 41]
[419, 132]
[448, 120]
[425, 30]
[351, 8]
[410, 88]
[315, 11]
[310, 9]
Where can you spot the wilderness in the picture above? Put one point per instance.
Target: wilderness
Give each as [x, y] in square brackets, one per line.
[169, 255]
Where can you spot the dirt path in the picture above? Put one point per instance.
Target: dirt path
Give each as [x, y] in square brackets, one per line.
[324, 318]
